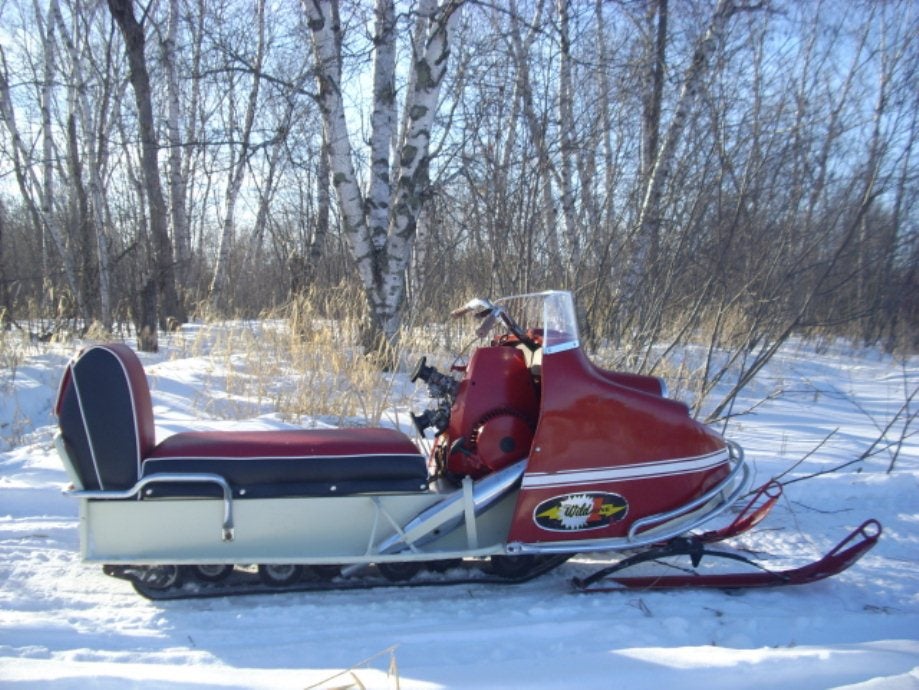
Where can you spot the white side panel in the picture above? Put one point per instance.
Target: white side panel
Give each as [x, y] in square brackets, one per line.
[278, 530]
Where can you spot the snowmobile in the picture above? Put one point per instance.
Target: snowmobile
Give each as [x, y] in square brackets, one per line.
[537, 455]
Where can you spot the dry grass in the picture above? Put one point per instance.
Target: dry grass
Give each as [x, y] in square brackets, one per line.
[13, 347]
[303, 360]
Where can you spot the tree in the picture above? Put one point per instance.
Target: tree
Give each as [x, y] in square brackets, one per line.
[380, 224]
[40, 209]
[88, 207]
[177, 173]
[164, 263]
[695, 171]
[220, 281]
[656, 174]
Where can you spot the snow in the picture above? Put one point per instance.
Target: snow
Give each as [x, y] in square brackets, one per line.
[64, 624]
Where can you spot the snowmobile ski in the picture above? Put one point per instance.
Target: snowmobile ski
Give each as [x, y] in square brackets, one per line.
[842, 556]
[763, 500]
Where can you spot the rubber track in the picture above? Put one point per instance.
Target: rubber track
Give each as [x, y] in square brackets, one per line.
[242, 582]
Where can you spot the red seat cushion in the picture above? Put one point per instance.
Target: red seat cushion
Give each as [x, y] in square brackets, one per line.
[295, 461]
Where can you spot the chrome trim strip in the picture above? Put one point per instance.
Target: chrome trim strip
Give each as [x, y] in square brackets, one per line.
[735, 455]
[661, 468]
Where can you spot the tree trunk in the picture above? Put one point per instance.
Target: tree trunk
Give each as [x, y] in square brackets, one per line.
[27, 180]
[220, 284]
[648, 226]
[90, 211]
[382, 123]
[523, 89]
[568, 153]
[323, 207]
[177, 180]
[47, 132]
[381, 261]
[195, 122]
[6, 308]
[79, 222]
[164, 268]
[412, 183]
[653, 87]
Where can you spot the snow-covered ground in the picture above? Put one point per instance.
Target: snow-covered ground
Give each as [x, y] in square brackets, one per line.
[65, 624]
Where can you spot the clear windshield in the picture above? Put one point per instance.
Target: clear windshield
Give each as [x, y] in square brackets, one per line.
[549, 316]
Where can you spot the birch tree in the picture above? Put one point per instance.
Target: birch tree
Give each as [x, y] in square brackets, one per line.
[39, 209]
[567, 140]
[657, 174]
[523, 92]
[90, 207]
[381, 257]
[220, 282]
[177, 177]
[46, 31]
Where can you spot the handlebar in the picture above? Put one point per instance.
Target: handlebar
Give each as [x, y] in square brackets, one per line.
[481, 306]
[487, 311]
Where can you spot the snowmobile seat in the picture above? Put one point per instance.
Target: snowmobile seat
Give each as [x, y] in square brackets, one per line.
[294, 462]
[107, 429]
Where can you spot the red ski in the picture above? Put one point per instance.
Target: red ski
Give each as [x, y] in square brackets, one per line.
[841, 557]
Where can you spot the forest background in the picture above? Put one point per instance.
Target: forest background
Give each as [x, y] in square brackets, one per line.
[729, 173]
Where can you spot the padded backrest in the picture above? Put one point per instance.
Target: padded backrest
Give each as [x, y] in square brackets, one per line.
[105, 416]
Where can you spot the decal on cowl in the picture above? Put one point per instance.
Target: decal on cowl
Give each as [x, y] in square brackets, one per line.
[581, 511]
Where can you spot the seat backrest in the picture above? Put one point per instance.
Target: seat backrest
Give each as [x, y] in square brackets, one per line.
[106, 416]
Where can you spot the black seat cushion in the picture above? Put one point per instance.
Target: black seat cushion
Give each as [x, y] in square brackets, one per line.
[291, 462]
[105, 416]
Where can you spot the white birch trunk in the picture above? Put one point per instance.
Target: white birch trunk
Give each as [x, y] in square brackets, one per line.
[424, 12]
[381, 258]
[47, 201]
[603, 86]
[382, 122]
[177, 189]
[429, 71]
[323, 23]
[92, 159]
[220, 281]
[191, 154]
[566, 135]
[420, 250]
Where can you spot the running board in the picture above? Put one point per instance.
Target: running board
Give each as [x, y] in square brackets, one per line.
[842, 556]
